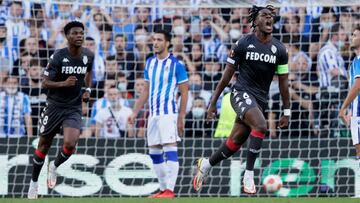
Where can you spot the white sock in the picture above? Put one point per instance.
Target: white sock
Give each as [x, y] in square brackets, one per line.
[159, 168]
[205, 165]
[172, 166]
[249, 174]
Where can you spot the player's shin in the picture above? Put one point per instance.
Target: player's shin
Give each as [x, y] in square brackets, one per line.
[172, 163]
[256, 139]
[159, 164]
[38, 162]
[64, 155]
[225, 151]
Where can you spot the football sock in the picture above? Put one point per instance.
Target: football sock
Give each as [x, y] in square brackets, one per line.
[256, 139]
[226, 150]
[157, 158]
[38, 162]
[64, 155]
[172, 163]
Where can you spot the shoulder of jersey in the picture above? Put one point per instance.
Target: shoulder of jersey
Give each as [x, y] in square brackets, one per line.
[57, 53]
[277, 42]
[87, 51]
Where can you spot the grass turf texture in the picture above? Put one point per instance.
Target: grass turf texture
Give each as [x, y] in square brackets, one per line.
[183, 200]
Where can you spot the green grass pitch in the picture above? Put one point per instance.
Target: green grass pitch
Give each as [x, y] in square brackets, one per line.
[184, 200]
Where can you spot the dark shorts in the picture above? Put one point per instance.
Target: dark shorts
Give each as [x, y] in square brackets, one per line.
[242, 101]
[54, 117]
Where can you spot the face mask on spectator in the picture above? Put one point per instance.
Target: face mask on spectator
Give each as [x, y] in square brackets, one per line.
[140, 38]
[210, 73]
[234, 34]
[65, 14]
[122, 86]
[179, 30]
[194, 87]
[326, 25]
[2, 39]
[169, 12]
[197, 112]
[11, 90]
[340, 44]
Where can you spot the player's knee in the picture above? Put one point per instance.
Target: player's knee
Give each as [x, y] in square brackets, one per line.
[171, 153]
[156, 155]
[260, 127]
[68, 149]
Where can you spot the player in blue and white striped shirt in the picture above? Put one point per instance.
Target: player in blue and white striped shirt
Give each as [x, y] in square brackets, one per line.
[353, 96]
[164, 75]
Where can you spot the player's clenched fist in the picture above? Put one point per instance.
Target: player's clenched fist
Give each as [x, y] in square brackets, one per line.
[70, 81]
[131, 119]
[86, 96]
[211, 112]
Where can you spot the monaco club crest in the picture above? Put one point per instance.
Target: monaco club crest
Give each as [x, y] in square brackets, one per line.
[85, 60]
[273, 49]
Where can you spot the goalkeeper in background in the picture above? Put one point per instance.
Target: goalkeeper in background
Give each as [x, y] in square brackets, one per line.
[353, 98]
[257, 57]
[164, 75]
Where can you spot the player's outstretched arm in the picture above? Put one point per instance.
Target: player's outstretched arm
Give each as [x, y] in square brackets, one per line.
[224, 81]
[140, 103]
[49, 84]
[284, 92]
[354, 91]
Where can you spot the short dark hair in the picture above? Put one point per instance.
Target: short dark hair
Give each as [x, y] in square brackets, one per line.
[89, 38]
[165, 33]
[111, 58]
[72, 24]
[141, 27]
[335, 30]
[105, 27]
[122, 36]
[357, 28]
[34, 62]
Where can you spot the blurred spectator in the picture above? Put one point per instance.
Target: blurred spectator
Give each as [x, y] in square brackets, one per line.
[15, 111]
[142, 18]
[212, 73]
[106, 47]
[125, 60]
[142, 49]
[124, 92]
[196, 90]
[21, 67]
[33, 89]
[112, 122]
[15, 24]
[333, 81]
[5, 50]
[195, 123]
[320, 34]
[98, 70]
[4, 71]
[123, 25]
[196, 56]
[345, 19]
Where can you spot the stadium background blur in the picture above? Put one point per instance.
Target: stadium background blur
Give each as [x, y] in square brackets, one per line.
[314, 155]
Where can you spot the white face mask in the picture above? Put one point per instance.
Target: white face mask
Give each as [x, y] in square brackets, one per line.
[210, 73]
[326, 25]
[179, 30]
[140, 38]
[198, 112]
[122, 86]
[340, 44]
[11, 90]
[234, 34]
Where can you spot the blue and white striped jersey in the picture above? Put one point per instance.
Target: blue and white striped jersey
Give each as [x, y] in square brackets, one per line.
[13, 109]
[354, 72]
[164, 76]
[329, 58]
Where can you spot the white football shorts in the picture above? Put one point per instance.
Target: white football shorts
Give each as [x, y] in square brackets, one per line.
[355, 130]
[162, 130]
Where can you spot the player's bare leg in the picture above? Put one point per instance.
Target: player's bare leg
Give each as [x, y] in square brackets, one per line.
[38, 161]
[256, 120]
[71, 137]
[237, 137]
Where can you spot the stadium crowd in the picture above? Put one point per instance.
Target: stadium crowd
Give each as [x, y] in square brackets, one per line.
[317, 39]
